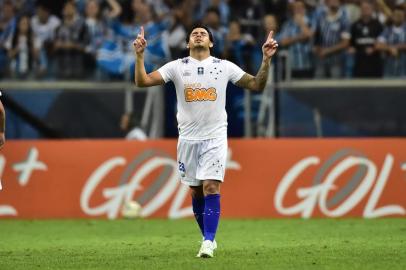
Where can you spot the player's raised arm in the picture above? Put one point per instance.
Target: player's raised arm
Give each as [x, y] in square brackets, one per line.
[258, 82]
[142, 79]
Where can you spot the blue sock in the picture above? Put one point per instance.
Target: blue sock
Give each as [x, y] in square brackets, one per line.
[198, 210]
[211, 216]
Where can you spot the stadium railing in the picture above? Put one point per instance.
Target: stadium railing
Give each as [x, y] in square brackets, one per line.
[151, 112]
[265, 125]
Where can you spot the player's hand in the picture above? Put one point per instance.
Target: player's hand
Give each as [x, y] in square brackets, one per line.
[2, 139]
[140, 43]
[269, 48]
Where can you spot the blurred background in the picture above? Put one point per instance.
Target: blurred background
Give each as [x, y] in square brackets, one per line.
[66, 67]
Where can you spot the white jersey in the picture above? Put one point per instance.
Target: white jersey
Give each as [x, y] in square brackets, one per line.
[201, 94]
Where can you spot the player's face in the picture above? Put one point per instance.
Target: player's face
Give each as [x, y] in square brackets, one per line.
[199, 38]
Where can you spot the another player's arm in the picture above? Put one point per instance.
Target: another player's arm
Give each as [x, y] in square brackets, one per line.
[2, 125]
[142, 79]
[258, 82]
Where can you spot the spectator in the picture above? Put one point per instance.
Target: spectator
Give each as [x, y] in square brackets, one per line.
[160, 8]
[221, 5]
[331, 40]
[383, 11]
[98, 31]
[24, 7]
[269, 23]
[277, 7]
[7, 28]
[44, 26]
[212, 20]
[177, 35]
[250, 14]
[240, 47]
[156, 30]
[352, 10]
[125, 32]
[296, 36]
[364, 34]
[392, 42]
[71, 40]
[23, 49]
[191, 9]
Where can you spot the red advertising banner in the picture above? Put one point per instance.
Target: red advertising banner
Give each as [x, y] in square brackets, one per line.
[264, 178]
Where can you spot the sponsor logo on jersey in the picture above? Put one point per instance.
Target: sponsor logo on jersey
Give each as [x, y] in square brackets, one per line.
[200, 94]
[186, 73]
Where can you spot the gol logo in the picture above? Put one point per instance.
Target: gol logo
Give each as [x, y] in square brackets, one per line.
[200, 94]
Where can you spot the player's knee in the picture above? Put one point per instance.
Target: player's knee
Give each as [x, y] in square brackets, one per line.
[197, 192]
[211, 187]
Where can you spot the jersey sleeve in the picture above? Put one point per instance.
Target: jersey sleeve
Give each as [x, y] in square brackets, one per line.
[235, 73]
[168, 71]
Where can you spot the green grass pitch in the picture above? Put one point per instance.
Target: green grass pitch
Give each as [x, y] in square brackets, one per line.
[173, 244]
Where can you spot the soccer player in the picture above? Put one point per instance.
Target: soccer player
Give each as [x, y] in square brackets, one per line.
[201, 81]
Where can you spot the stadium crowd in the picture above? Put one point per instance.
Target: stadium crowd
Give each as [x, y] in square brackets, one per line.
[92, 39]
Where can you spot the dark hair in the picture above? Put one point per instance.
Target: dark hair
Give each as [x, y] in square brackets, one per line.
[199, 26]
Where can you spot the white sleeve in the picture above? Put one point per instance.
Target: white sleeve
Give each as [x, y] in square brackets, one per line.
[168, 71]
[235, 73]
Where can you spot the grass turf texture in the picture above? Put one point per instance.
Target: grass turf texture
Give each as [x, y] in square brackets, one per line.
[166, 244]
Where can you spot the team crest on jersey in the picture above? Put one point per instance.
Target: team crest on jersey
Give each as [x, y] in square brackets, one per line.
[200, 94]
[200, 71]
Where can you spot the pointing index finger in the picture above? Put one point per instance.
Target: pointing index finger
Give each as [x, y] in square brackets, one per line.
[270, 36]
[142, 31]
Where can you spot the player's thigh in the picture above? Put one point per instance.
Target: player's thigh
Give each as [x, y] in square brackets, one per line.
[212, 160]
[187, 157]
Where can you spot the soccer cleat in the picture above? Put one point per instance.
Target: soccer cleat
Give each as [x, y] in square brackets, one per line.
[199, 254]
[207, 249]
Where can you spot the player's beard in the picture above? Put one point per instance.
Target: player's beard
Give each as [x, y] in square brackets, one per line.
[200, 47]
